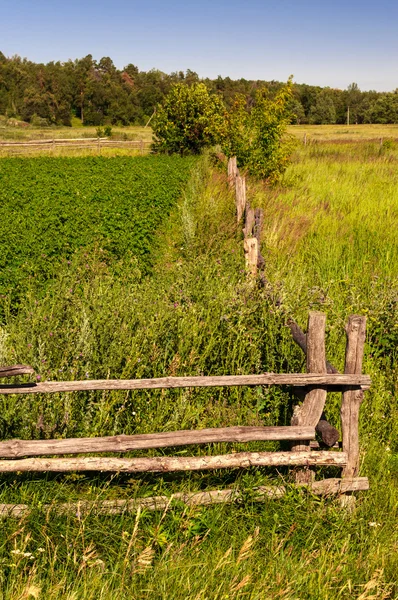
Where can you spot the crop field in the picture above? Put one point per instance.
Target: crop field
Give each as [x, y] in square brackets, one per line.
[52, 208]
[131, 268]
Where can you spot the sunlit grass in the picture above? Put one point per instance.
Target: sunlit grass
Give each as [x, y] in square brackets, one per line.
[329, 244]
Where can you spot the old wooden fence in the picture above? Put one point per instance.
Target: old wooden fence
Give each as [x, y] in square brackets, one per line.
[305, 455]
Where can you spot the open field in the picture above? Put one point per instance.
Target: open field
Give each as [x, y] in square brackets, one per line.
[344, 132]
[329, 244]
[48, 133]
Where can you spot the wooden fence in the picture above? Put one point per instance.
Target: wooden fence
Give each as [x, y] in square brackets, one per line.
[32, 455]
[54, 145]
[305, 453]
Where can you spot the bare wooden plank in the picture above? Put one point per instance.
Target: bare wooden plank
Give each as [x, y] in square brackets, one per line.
[125, 443]
[294, 379]
[15, 370]
[352, 399]
[327, 487]
[251, 255]
[168, 464]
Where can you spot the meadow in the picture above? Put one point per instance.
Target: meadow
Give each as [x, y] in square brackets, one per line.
[329, 245]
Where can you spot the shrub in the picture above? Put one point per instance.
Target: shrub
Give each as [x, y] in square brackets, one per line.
[190, 119]
[257, 137]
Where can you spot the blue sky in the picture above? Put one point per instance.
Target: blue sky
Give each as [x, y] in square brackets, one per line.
[324, 43]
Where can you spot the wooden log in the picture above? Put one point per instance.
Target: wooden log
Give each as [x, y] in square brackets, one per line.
[251, 255]
[125, 443]
[352, 399]
[301, 340]
[329, 434]
[16, 370]
[240, 196]
[232, 171]
[327, 487]
[293, 379]
[310, 412]
[170, 464]
[249, 221]
[314, 402]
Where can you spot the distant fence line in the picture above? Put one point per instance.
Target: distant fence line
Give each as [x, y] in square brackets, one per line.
[97, 144]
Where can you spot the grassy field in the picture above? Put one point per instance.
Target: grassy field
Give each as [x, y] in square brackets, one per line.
[30, 132]
[344, 132]
[329, 244]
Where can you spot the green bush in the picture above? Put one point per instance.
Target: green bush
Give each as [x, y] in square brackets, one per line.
[190, 119]
[257, 136]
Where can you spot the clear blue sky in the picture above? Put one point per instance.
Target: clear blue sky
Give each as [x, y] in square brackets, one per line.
[320, 42]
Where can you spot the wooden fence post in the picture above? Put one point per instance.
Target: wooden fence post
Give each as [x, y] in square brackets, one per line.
[249, 221]
[251, 255]
[352, 399]
[314, 402]
[142, 147]
[240, 196]
[232, 171]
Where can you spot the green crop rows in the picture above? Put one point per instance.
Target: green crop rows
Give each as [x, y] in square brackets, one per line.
[51, 207]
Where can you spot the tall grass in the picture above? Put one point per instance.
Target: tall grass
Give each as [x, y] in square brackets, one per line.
[198, 314]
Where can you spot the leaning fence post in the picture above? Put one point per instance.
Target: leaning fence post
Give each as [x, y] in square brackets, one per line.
[314, 402]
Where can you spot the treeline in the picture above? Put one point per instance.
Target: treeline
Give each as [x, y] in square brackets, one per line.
[98, 93]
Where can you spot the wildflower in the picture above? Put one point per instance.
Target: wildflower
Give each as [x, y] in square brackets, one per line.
[38, 377]
[374, 524]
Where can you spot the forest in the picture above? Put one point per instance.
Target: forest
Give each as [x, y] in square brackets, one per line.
[90, 92]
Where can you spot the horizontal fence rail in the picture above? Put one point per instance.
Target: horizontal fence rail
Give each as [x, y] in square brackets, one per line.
[126, 443]
[327, 487]
[293, 379]
[170, 464]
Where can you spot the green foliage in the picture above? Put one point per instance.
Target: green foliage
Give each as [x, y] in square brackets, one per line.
[323, 112]
[257, 137]
[190, 119]
[108, 131]
[51, 207]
